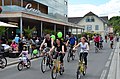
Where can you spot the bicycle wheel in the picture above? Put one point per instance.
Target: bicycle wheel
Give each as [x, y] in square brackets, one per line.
[84, 71]
[20, 66]
[28, 63]
[3, 62]
[44, 64]
[96, 50]
[78, 73]
[49, 62]
[73, 56]
[61, 71]
[54, 73]
[68, 56]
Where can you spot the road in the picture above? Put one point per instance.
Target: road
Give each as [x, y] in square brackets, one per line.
[98, 67]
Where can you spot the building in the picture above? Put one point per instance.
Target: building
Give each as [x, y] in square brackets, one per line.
[42, 14]
[92, 23]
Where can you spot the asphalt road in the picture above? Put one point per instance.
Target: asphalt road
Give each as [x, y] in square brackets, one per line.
[98, 67]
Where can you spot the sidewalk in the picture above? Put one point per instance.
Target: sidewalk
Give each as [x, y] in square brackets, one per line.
[114, 72]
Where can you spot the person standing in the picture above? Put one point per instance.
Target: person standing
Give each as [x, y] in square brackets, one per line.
[17, 38]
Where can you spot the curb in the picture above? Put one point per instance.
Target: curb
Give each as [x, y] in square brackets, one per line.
[113, 71]
[118, 63]
[12, 63]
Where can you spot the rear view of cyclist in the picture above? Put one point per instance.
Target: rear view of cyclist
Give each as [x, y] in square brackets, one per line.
[84, 49]
[101, 41]
[97, 40]
[111, 40]
[72, 41]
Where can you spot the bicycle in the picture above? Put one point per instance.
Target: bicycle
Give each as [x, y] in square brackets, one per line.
[81, 70]
[96, 49]
[22, 64]
[101, 45]
[46, 61]
[111, 44]
[70, 54]
[3, 62]
[57, 67]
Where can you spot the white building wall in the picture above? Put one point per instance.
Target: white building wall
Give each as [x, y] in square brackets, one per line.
[97, 21]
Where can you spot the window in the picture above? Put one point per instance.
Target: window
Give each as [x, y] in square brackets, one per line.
[16, 2]
[96, 27]
[65, 15]
[7, 2]
[43, 8]
[0, 2]
[89, 27]
[87, 19]
[92, 19]
[65, 2]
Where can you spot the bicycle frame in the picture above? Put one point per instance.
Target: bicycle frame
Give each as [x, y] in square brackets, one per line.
[82, 64]
[57, 64]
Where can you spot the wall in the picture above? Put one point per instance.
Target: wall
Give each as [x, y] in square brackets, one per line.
[97, 21]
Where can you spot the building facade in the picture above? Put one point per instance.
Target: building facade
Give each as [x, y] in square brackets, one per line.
[42, 14]
[53, 8]
[92, 23]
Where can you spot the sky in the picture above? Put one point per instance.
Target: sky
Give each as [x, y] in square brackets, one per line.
[78, 8]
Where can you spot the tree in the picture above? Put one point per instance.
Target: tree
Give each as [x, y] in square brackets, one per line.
[28, 31]
[2, 30]
[115, 22]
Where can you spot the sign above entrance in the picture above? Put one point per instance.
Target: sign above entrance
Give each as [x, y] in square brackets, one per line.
[29, 8]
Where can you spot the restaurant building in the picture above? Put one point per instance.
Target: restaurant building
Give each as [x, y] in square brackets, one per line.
[41, 14]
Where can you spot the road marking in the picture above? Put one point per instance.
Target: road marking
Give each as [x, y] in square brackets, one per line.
[103, 74]
[107, 64]
[110, 57]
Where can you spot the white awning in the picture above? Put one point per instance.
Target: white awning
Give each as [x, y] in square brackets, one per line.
[2, 24]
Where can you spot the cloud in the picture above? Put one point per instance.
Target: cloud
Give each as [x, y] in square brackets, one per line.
[111, 8]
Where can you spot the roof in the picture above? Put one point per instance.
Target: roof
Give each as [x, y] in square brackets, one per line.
[76, 20]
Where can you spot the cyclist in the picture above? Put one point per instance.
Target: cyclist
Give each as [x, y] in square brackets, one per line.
[59, 47]
[24, 53]
[111, 40]
[97, 40]
[101, 41]
[72, 41]
[84, 49]
[49, 41]
[106, 38]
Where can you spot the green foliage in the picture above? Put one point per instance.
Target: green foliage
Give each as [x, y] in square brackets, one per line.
[48, 31]
[28, 31]
[2, 30]
[115, 22]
